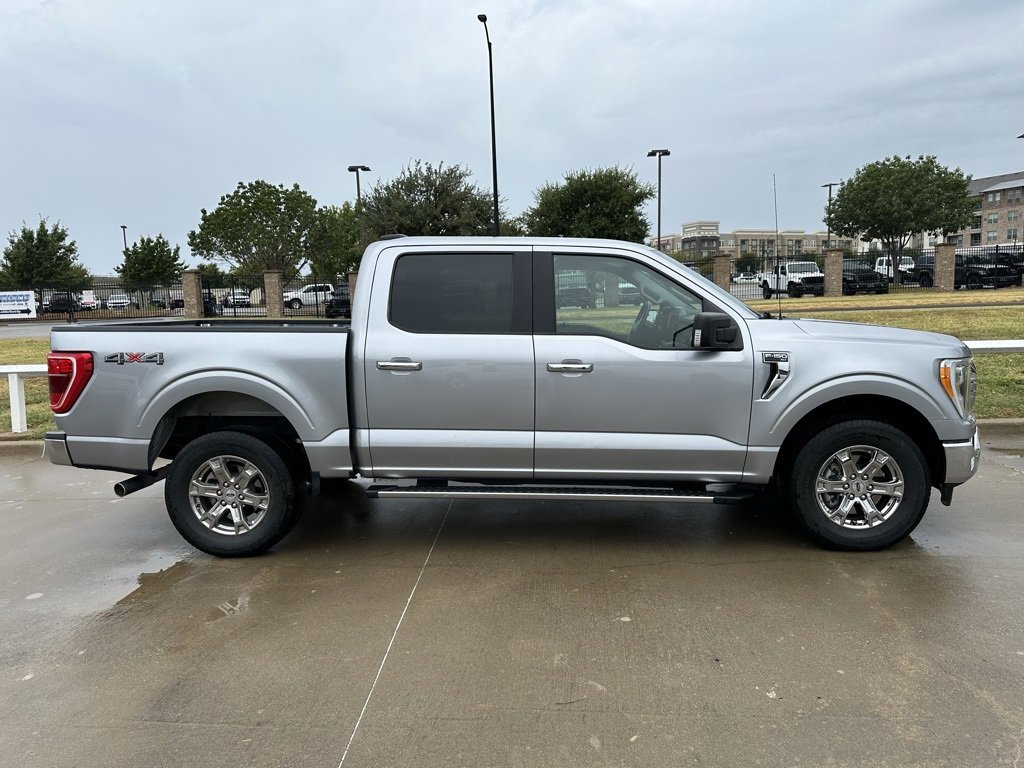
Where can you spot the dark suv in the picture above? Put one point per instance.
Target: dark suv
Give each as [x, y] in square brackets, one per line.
[64, 301]
[339, 303]
[858, 277]
[575, 297]
[971, 271]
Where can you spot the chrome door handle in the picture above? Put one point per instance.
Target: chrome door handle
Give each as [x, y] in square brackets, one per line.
[570, 367]
[398, 365]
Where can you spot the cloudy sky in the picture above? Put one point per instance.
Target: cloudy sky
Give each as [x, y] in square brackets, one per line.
[143, 112]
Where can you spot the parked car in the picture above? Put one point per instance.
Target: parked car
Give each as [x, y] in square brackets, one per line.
[312, 294]
[236, 297]
[858, 277]
[211, 307]
[971, 271]
[456, 369]
[339, 304]
[578, 296]
[883, 265]
[89, 302]
[786, 278]
[120, 301]
[63, 301]
[177, 300]
[745, 277]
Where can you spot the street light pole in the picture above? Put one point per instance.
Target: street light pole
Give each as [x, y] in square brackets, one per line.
[482, 18]
[828, 242]
[356, 169]
[659, 153]
[124, 236]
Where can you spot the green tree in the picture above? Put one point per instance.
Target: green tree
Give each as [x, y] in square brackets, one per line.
[427, 200]
[258, 227]
[334, 240]
[211, 275]
[893, 199]
[606, 202]
[42, 257]
[150, 262]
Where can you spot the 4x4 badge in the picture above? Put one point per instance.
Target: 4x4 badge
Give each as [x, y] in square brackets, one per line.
[135, 357]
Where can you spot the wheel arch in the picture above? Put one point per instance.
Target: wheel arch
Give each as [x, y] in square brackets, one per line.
[878, 407]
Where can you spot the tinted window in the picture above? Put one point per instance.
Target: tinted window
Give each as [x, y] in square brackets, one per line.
[623, 300]
[452, 293]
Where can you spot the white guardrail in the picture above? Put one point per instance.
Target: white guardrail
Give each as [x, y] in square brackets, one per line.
[17, 373]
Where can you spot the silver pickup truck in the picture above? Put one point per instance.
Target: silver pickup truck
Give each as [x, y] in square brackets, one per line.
[462, 376]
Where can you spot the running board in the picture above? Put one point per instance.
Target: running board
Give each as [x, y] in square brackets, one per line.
[554, 493]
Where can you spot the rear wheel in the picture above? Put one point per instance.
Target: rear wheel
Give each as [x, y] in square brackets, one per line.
[860, 485]
[231, 494]
[766, 292]
[973, 282]
[925, 281]
[295, 304]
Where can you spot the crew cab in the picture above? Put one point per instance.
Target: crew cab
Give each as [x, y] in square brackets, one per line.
[461, 377]
[312, 294]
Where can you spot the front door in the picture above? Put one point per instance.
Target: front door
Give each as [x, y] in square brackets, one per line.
[621, 393]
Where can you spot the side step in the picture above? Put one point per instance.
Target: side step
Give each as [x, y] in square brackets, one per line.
[554, 493]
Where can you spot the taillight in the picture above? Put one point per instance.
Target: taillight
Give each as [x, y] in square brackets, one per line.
[68, 372]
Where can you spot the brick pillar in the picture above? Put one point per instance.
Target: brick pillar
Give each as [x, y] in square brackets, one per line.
[352, 276]
[273, 290]
[192, 293]
[833, 273]
[945, 267]
[720, 271]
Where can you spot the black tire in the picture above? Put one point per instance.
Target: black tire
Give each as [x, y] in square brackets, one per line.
[272, 478]
[855, 532]
[294, 304]
[973, 283]
[925, 281]
[766, 292]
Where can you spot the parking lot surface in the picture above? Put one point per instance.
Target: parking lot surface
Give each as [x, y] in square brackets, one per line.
[431, 633]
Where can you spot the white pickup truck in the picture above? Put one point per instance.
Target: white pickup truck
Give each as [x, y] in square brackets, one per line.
[462, 376]
[309, 295]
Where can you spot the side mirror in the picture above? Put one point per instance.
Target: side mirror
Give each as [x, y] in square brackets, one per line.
[715, 330]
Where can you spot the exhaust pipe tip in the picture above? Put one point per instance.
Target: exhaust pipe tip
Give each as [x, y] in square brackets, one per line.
[138, 482]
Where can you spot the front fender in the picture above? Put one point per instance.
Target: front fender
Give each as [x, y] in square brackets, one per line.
[777, 423]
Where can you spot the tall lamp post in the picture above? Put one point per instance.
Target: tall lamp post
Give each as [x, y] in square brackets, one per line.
[482, 18]
[356, 169]
[828, 224]
[659, 153]
[124, 235]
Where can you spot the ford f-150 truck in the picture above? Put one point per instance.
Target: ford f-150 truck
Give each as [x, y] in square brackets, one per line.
[461, 375]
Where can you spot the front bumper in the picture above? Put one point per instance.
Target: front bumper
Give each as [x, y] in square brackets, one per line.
[962, 459]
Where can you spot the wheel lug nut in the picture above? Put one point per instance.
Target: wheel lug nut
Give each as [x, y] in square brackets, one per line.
[865, 477]
[851, 495]
[871, 487]
[863, 498]
[845, 486]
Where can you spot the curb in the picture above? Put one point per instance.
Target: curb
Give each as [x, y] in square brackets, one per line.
[21, 449]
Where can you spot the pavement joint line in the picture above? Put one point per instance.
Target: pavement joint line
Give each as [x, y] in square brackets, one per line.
[394, 634]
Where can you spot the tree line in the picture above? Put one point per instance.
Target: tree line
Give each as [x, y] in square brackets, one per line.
[260, 226]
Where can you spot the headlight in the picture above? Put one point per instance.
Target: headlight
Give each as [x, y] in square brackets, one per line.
[959, 378]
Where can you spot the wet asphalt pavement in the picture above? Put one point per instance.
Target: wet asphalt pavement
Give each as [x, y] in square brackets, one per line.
[430, 633]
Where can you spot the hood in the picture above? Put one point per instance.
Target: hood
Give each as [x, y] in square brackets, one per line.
[876, 334]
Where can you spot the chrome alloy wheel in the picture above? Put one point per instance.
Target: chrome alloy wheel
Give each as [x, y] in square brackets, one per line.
[859, 487]
[229, 495]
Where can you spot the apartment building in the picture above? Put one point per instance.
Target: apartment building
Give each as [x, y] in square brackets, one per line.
[998, 207]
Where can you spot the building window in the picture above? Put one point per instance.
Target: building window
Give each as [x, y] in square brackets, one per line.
[1012, 215]
[976, 222]
[976, 238]
[1011, 234]
[991, 236]
[993, 218]
[994, 197]
[1014, 195]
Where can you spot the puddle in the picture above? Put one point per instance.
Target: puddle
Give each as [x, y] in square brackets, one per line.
[153, 584]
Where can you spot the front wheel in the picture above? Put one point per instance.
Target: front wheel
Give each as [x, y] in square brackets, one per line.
[860, 485]
[766, 292]
[231, 494]
[973, 283]
[925, 281]
[295, 304]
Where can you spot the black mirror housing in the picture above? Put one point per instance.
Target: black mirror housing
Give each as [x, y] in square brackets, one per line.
[716, 330]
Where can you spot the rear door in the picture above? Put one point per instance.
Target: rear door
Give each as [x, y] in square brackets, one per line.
[449, 363]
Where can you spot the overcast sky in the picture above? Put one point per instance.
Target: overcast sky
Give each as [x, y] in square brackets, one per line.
[142, 113]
